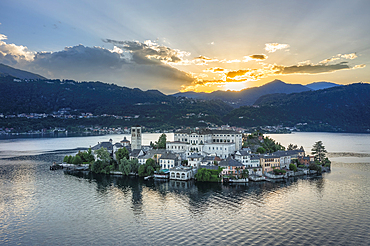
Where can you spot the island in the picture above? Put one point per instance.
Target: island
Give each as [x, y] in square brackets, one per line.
[202, 154]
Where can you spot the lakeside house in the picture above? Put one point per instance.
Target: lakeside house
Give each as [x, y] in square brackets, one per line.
[168, 160]
[231, 167]
[182, 173]
[195, 160]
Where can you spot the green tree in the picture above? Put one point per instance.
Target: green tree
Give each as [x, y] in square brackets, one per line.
[77, 160]
[318, 150]
[203, 175]
[245, 173]
[261, 150]
[327, 162]
[292, 167]
[134, 165]
[161, 143]
[122, 153]
[124, 166]
[66, 159]
[292, 147]
[148, 168]
[88, 156]
[206, 175]
[103, 155]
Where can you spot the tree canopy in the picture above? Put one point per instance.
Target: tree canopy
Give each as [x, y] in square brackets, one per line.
[161, 143]
[122, 153]
[318, 150]
[148, 168]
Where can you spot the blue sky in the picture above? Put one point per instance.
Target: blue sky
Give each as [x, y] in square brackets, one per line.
[188, 45]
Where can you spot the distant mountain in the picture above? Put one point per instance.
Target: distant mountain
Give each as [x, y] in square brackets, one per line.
[17, 73]
[321, 85]
[151, 108]
[340, 108]
[247, 96]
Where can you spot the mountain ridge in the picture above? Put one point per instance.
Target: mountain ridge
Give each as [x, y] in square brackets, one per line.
[6, 70]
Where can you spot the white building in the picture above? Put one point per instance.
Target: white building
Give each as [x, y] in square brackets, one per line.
[222, 143]
[168, 160]
[182, 173]
[194, 160]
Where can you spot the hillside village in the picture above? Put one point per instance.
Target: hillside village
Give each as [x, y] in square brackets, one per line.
[224, 153]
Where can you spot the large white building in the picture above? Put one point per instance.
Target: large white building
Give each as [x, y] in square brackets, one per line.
[221, 143]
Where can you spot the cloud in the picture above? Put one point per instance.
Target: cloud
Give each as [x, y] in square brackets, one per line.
[272, 47]
[203, 58]
[313, 68]
[260, 57]
[149, 52]
[133, 64]
[233, 74]
[215, 70]
[350, 56]
[12, 54]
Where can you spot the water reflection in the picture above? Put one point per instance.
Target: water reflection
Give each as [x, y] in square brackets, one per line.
[197, 196]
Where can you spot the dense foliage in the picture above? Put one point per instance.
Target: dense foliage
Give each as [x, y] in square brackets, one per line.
[148, 168]
[208, 175]
[341, 108]
[128, 166]
[122, 153]
[161, 143]
[85, 157]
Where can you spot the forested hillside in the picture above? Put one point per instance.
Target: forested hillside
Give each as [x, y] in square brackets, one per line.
[342, 108]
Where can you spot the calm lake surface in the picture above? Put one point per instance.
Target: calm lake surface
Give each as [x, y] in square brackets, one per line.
[43, 207]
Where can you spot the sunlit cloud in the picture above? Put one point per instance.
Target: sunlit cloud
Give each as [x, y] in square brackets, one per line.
[12, 53]
[339, 57]
[149, 52]
[215, 70]
[230, 61]
[272, 47]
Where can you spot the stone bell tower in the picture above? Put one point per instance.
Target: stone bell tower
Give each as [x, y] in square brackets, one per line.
[135, 137]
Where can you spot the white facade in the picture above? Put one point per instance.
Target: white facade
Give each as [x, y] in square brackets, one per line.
[181, 173]
[167, 163]
[194, 160]
[209, 136]
[246, 159]
[285, 161]
[222, 150]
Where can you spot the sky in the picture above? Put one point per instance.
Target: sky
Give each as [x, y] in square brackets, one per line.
[202, 45]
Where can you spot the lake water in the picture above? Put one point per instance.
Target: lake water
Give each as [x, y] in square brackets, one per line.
[42, 207]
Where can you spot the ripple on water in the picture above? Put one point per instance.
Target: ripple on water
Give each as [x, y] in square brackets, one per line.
[40, 207]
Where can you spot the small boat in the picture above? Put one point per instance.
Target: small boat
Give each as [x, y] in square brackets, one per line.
[162, 174]
[239, 180]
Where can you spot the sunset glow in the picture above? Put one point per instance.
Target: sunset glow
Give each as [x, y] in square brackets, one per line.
[238, 48]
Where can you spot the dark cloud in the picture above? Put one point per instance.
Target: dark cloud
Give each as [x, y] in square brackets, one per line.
[311, 68]
[258, 57]
[83, 63]
[148, 52]
[203, 58]
[79, 58]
